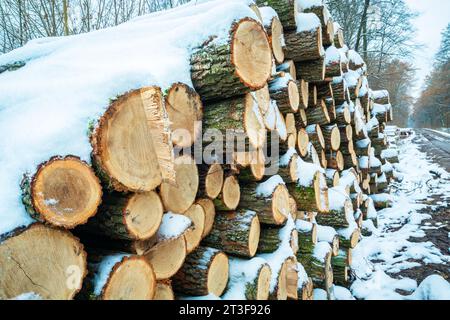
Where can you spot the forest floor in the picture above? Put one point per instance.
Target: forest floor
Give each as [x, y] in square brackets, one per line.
[412, 240]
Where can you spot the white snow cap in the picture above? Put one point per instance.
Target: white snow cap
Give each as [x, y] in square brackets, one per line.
[173, 226]
[307, 22]
[332, 55]
[45, 107]
[266, 189]
[306, 4]
[267, 14]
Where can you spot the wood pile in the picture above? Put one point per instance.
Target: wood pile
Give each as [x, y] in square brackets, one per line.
[142, 223]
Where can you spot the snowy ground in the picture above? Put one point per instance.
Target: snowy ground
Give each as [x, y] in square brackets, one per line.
[390, 263]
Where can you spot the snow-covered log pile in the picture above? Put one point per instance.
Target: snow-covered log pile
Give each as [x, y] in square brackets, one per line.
[125, 212]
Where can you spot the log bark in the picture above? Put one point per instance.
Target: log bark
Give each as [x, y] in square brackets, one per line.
[135, 160]
[63, 192]
[131, 217]
[241, 63]
[318, 114]
[273, 208]
[332, 137]
[271, 239]
[235, 233]
[333, 178]
[307, 236]
[204, 272]
[279, 276]
[343, 116]
[327, 24]
[340, 269]
[311, 71]
[284, 91]
[320, 271]
[316, 136]
[286, 10]
[20, 253]
[305, 45]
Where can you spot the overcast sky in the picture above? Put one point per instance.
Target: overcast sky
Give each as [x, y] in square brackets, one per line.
[434, 17]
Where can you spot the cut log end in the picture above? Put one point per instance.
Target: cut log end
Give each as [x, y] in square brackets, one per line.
[251, 54]
[214, 181]
[131, 279]
[128, 160]
[254, 234]
[218, 274]
[164, 291]
[193, 237]
[231, 193]
[263, 283]
[167, 265]
[21, 259]
[65, 192]
[143, 215]
[280, 204]
[275, 39]
[178, 198]
[210, 213]
[185, 110]
[294, 96]
[302, 142]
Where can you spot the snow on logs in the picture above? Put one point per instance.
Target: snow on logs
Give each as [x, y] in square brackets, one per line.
[63, 192]
[321, 11]
[250, 277]
[240, 63]
[22, 256]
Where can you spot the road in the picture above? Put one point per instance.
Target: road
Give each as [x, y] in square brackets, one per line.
[436, 145]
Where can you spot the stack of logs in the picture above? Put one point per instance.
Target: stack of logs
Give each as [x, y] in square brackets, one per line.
[142, 223]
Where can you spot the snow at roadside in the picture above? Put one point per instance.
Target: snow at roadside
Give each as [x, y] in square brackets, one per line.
[46, 106]
[379, 258]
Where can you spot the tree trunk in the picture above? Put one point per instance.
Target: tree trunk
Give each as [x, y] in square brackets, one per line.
[332, 137]
[311, 71]
[284, 92]
[304, 45]
[241, 63]
[316, 136]
[127, 216]
[318, 114]
[236, 116]
[211, 178]
[307, 236]
[164, 291]
[235, 233]
[274, 31]
[327, 24]
[286, 10]
[204, 272]
[271, 204]
[271, 239]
